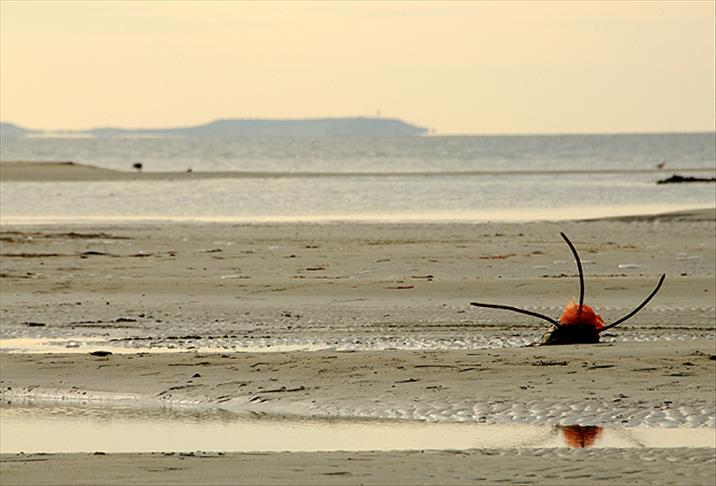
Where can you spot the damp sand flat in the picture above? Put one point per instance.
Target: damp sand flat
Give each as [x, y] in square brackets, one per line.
[164, 284]
[660, 384]
[481, 466]
[297, 281]
[395, 295]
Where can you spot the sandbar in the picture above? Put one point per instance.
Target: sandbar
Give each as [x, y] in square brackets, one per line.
[22, 171]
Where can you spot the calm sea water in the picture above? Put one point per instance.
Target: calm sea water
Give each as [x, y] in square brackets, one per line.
[437, 195]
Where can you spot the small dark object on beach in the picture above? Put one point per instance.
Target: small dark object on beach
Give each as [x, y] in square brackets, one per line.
[101, 354]
[578, 324]
[678, 179]
[578, 333]
[137, 165]
[34, 324]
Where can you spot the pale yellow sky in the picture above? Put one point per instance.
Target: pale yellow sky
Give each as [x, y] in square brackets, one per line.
[465, 67]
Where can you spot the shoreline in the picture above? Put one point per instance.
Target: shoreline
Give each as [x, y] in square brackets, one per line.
[20, 171]
[509, 217]
[631, 215]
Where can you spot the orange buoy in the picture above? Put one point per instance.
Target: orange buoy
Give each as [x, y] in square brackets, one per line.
[572, 314]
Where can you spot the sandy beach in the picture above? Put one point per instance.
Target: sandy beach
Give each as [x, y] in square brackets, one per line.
[357, 243]
[364, 321]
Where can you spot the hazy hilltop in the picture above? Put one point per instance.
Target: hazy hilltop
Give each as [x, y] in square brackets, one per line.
[11, 130]
[315, 127]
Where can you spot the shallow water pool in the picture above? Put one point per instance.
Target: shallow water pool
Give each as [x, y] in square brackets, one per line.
[59, 428]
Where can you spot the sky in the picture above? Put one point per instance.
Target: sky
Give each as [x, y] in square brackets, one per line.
[459, 68]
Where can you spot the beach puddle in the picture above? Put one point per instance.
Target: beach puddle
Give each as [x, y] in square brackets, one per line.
[52, 429]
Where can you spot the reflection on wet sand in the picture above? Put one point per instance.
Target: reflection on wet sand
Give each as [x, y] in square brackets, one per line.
[31, 428]
[580, 436]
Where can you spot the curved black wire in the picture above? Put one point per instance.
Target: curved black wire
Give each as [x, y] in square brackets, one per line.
[638, 308]
[581, 272]
[518, 310]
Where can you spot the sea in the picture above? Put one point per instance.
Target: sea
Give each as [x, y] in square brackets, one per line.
[404, 179]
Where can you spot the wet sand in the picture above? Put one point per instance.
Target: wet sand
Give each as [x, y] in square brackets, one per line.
[510, 466]
[381, 313]
[665, 384]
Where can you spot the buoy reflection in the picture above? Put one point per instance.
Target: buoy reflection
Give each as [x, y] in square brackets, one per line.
[580, 436]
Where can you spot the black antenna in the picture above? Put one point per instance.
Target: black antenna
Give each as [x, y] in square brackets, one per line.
[518, 310]
[581, 272]
[638, 308]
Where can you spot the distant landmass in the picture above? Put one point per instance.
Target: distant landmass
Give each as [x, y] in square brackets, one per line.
[10, 130]
[312, 127]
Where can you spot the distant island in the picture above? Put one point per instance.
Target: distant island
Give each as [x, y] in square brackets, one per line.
[311, 127]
